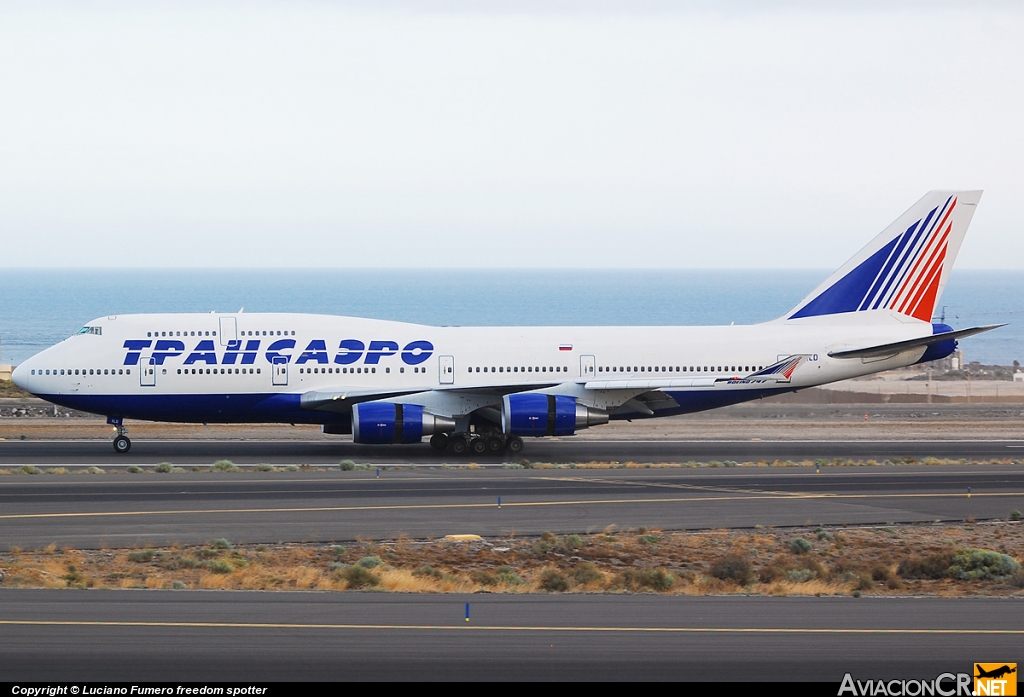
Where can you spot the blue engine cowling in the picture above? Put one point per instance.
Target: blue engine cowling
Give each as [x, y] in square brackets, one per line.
[386, 423]
[940, 349]
[534, 414]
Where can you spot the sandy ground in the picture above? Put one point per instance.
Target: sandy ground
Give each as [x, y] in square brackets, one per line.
[912, 559]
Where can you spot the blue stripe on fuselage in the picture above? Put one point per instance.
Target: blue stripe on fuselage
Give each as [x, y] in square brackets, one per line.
[199, 408]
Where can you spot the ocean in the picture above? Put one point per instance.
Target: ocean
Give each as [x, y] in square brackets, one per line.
[43, 306]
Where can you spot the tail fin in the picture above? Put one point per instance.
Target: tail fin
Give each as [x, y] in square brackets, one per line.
[905, 268]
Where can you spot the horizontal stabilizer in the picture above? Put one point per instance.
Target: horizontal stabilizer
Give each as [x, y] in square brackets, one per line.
[899, 346]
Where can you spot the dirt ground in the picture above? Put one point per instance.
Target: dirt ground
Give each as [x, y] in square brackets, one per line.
[937, 560]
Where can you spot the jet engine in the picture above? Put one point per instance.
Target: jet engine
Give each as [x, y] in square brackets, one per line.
[382, 423]
[534, 414]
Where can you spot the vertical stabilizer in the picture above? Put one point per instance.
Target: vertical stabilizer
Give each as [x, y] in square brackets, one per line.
[902, 270]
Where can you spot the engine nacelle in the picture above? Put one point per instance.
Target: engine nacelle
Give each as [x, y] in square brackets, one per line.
[533, 414]
[384, 423]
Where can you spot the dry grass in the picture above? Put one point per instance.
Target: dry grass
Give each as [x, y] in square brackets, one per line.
[841, 561]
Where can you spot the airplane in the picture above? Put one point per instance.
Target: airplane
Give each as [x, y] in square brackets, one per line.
[995, 672]
[479, 390]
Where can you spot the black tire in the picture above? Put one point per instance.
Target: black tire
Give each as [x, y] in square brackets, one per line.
[479, 446]
[459, 446]
[495, 445]
[515, 444]
[439, 441]
[122, 445]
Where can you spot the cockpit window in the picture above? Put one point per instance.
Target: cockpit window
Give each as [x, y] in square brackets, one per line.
[91, 330]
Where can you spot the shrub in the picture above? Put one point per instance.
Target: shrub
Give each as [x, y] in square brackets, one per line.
[553, 581]
[358, 576]
[347, 465]
[264, 467]
[73, 577]
[225, 466]
[427, 571]
[586, 573]
[1014, 515]
[181, 562]
[164, 468]
[483, 578]
[982, 565]
[638, 579]
[509, 577]
[220, 543]
[28, 469]
[142, 555]
[94, 470]
[733, 567]
[881, 573]
[133, 469]
[864, 583]
[370, 562]
[340, 550]
[799, 545]
[569, 542]
[220, 566]
[933, 566]
[800, 575]
[178, 585]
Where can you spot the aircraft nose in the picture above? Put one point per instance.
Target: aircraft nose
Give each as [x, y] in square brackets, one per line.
[18, 377]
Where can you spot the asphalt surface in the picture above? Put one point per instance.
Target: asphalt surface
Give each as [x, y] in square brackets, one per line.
[252, 637]
[14, 453]
[124, 510]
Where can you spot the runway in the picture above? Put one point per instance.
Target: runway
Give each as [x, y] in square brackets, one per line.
[14, 453]
[123, 510]
[253, 637]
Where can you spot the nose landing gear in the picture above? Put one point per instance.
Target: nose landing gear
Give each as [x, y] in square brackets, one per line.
[122, 444]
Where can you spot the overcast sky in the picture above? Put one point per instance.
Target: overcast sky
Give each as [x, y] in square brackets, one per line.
[501, 134]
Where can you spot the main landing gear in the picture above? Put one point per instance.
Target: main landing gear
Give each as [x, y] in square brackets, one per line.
[473, 444]
[122, 444]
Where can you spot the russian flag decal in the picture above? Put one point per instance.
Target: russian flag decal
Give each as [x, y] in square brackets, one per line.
[565, 347]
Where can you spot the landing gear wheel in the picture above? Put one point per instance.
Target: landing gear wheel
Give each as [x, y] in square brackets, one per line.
[459, 446]
[479, 446]
[439, 441]
[495, 445]
[515, 444]
[122, 445]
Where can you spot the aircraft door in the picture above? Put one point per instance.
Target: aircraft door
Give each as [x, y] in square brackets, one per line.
[147, 372]
[228, 330]
[587, 367]
[446, 370]
[280, 370]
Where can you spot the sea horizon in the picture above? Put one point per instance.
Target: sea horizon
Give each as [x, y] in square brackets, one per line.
[44, 306]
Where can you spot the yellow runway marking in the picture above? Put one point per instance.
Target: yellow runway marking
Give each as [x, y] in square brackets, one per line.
[500, 628]
[519, 504]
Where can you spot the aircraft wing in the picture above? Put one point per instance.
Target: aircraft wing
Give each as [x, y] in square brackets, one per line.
[343, 398]
[899, 346]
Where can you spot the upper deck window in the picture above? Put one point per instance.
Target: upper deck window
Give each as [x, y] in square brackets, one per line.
[91, 330]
